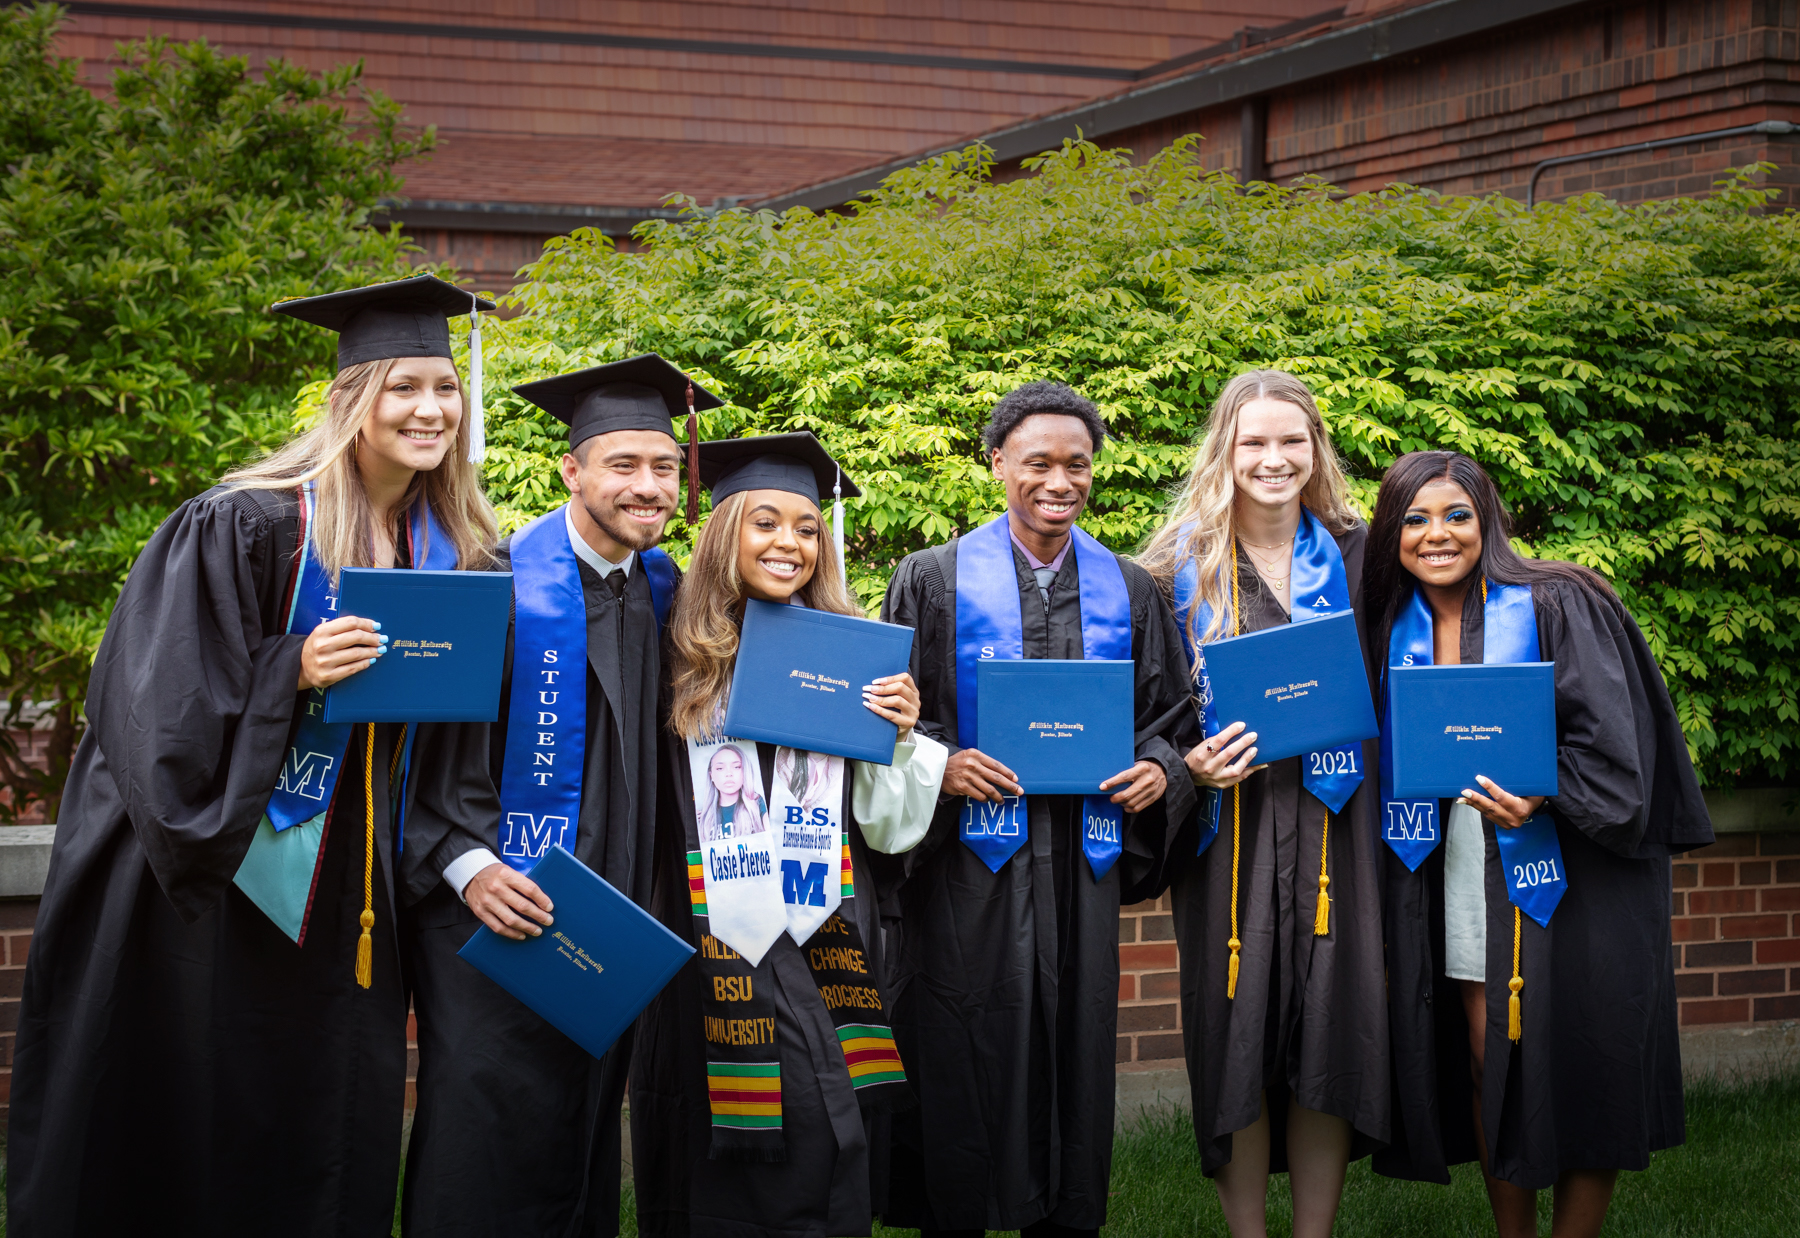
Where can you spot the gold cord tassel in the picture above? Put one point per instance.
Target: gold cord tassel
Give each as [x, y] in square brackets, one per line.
[1322, 918]
[365, 945]
[1231, 970]
[1515, 1020]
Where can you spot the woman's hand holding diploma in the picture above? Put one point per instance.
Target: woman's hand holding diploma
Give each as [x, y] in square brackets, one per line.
[1223, 761]
[1504, 809]
[337, 649]
[896, 698]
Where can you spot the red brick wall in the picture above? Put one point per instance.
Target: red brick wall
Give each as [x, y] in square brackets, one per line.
[1737, 930]
[17, 916]
[1149, 984]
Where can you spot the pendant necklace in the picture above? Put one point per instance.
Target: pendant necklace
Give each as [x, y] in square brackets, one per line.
[1268, 569]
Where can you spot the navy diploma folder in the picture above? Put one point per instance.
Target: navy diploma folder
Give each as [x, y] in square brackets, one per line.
[1451, 723]
[1302, 687]
[446, 640]
[595, 968]
[800, 675]
[1062, 726]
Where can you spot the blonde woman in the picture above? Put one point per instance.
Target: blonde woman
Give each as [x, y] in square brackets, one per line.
[1278, 916]
[235, 1051]
[762, 1074]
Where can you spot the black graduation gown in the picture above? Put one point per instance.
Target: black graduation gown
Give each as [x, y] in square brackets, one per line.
[517, 1126]
[1595, 1081]
[182, 1067]
[831, 1181]
[1309, 1020]
[1007, 987]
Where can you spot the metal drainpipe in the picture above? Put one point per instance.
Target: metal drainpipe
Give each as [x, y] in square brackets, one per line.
[1766, 126]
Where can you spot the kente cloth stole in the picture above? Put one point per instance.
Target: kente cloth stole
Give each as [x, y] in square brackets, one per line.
[1317, 587]
[990, 625]
[752, 875]
[279, 869]
[1531, 858]
[546, 721]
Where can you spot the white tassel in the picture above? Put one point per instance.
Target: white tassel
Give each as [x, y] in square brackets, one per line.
[837, 524]
[477, 422]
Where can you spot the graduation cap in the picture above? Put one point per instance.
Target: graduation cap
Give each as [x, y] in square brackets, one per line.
[639, 393]
[403, 318]
[797, 463]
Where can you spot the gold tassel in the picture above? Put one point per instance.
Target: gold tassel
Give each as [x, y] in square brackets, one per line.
[1322, 918]
[1515, 1020]
[365, 945]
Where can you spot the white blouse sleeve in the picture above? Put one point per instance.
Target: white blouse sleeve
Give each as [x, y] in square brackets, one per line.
[894, 803]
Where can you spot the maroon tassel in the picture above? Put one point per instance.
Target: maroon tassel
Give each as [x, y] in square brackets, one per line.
[693, 461]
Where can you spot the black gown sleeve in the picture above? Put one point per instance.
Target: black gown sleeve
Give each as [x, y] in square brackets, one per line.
[193, 691]
[915, 598]
[1167, 727]
[1624, 777]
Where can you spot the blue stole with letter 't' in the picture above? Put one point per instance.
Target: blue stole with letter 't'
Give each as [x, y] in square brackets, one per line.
[990, 625]
[1317, 587]
[277, 871]
[1531, 855]
[546, 721]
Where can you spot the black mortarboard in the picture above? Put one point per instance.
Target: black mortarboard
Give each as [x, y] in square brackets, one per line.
[405, 318]
[797, 463]
[639, 393]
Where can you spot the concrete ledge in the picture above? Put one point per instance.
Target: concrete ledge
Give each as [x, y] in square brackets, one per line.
[1764, 810]
[24, 859]
[1149, 1087]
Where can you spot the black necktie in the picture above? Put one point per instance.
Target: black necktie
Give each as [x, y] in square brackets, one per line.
[615, 580]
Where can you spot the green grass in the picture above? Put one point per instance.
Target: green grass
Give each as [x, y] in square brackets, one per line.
[1737, 1177]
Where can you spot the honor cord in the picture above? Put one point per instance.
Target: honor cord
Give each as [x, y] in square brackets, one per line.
[365, 946]
[1237, 797]
[1515, 1019]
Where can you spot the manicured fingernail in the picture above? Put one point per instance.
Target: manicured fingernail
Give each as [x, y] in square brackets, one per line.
[382, 639]
[1467, 792]
[377, 624]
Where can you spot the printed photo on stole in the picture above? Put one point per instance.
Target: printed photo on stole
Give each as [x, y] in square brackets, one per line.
[739, 865]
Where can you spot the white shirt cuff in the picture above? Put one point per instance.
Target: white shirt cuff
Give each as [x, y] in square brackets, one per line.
[460, 871]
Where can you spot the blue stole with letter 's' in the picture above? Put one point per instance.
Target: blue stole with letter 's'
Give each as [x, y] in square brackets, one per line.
[277, 872]
[989, 624]
[546, 721]
[1530, 854]
[1318, 587]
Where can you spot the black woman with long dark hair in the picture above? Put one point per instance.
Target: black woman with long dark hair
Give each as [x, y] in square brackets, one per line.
[1569, 1025]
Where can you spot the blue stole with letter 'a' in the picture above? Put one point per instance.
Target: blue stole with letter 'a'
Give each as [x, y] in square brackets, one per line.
[277, 871]
[1531, 855]
[990, 625]
[1317, 587]
[546, 721]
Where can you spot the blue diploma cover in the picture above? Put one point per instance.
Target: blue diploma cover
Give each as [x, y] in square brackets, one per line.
[1302, 687]
[1063, 727]
[1451, 723]
[595, 969]
[800, 675]
[447, 640]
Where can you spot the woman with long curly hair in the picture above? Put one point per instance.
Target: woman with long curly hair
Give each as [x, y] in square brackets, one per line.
[1573, 1070]
[762, 1074]
[1279, 915]
[213, 1008]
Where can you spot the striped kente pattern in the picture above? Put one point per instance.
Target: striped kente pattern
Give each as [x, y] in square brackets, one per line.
[697, 883]
[746, 1095]
[871, 1055]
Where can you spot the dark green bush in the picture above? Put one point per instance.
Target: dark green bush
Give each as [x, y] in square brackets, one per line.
[141, 237]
